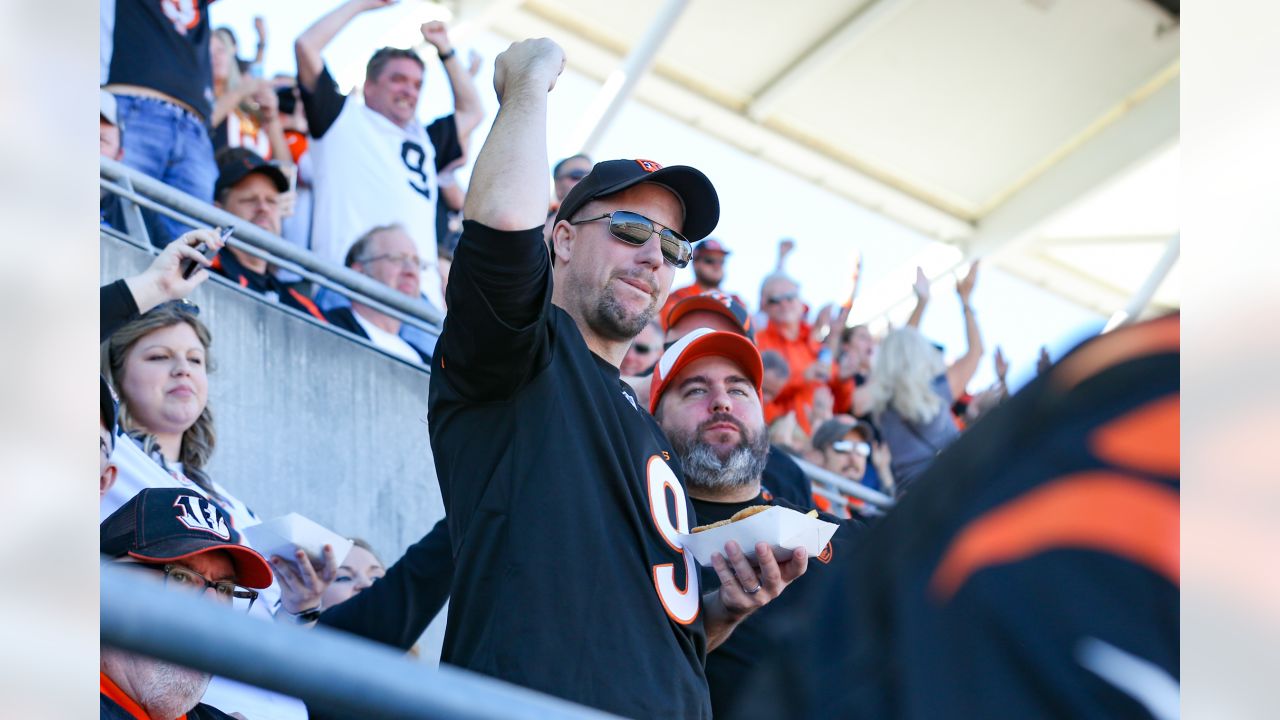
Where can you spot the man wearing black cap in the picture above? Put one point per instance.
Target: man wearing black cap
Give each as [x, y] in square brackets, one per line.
[249, 188]
[564, 501]
[184, 540]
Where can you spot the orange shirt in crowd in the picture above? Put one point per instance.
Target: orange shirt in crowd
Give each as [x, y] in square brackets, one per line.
[842, 392]
[800, 353]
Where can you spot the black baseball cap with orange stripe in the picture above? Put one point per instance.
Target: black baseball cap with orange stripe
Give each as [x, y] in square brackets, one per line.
[696, 193]
[716, 302]
[160, 525]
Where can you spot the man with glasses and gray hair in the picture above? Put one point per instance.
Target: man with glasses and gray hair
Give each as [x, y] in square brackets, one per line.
[387, 254]
[182, 539]
[564, 500]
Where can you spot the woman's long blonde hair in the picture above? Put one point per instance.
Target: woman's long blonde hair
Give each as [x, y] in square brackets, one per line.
[198, 440]
[902, 376]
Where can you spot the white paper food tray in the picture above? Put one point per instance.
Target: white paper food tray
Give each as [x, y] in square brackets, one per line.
[783, 528]
[281, 535]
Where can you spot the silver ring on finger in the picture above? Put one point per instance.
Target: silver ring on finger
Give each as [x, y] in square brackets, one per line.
[753, 590]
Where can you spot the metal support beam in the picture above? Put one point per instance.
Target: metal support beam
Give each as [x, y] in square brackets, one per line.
[327, 668]
[1143, 297]
[1147, 124]
[866, 17]
[133, 221]
[618, 88]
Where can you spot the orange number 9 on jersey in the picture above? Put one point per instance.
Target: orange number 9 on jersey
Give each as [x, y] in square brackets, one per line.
[681, 605]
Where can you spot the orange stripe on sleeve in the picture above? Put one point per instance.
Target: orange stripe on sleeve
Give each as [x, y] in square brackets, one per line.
[1148, 338]
[1098, 510]
[1145, 440]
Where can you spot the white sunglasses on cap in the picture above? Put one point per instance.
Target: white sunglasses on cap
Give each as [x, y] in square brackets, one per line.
[849, 446]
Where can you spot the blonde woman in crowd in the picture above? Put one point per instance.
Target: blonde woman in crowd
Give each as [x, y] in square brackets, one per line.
[911, 391]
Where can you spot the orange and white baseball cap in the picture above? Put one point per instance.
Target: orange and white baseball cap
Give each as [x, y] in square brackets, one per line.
[701, 343]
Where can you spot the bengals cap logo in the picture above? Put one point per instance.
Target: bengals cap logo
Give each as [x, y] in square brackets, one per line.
[720, 297]
[648, 165]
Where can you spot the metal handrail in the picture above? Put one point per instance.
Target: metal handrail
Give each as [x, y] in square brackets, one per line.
[327, 668]
[140, 201]
[152, 193]
[844, 485]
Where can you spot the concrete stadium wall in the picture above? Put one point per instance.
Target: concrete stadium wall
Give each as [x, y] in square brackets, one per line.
[312, 422]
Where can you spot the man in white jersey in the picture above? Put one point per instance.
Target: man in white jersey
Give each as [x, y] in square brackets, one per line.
[375, 164]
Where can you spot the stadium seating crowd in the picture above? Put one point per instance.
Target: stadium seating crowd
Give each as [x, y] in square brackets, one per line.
[285, 154]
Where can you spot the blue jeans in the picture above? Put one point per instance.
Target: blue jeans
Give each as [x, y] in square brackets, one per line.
[171, 145]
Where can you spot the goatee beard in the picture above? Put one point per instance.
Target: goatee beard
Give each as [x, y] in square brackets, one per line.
[609, 317]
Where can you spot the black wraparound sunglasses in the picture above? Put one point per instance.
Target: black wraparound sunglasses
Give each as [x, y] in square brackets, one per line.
[636, 229]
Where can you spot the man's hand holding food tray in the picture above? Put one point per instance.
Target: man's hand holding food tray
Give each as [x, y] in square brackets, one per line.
[782, 528]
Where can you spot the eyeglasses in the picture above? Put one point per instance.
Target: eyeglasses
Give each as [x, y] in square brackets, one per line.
[642, 348]
[636, 229]
[406, 261]
[188, 580]
[844, 447]
[574, 174]
[779, 299]
[711, 260]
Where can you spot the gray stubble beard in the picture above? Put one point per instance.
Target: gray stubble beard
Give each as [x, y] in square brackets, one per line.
[703, 469]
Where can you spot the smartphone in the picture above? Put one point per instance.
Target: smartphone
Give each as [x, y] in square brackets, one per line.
[287, 100]
[189, 267]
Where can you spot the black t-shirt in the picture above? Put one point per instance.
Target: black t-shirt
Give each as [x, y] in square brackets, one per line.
[563, 499]
[783, 479]
[116, 308]
[729, 666]
[163, 46]
[397, 608]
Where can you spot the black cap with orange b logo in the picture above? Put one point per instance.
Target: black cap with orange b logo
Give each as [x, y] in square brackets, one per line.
[696, 193]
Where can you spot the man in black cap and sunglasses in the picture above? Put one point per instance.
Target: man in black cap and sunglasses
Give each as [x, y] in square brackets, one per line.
[180, 538]
[564, 500]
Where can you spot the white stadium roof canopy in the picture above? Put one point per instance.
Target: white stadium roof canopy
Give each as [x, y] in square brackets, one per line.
[1040, 134]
